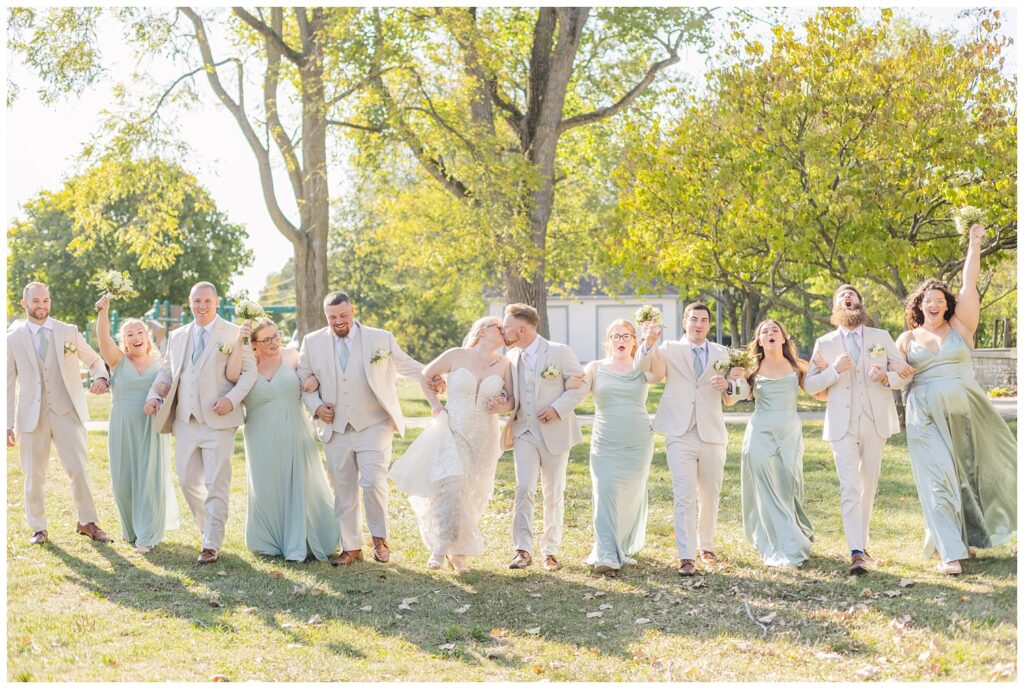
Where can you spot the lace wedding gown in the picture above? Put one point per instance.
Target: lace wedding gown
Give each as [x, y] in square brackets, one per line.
[448, 471]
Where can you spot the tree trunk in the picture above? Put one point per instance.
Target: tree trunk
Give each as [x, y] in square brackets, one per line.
[310, 282]
[532, 290]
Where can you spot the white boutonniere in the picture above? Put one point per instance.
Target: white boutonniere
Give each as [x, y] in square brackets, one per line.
[225, 349]
[379, 356]
[70, 348]
[876, 351]
[550, 372]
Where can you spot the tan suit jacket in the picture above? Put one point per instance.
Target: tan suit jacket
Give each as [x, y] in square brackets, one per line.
[212, 382]
[23, 362]
[558, 436]
[840, 388]
[686, 394]
[316, 357]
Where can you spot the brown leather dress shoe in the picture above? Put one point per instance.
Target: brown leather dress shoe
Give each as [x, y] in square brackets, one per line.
[94, 532]
[858, 564]
[346, 558]
[708, 556]
[381, 551]
[38, 538]
[687, 568]
[207, 556]
[552, 564]
[521, 560]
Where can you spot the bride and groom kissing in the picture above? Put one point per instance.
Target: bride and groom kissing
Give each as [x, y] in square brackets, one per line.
[448, 471]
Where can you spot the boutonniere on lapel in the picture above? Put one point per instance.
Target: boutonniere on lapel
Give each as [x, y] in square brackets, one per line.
[380, 356]
[550, 372]
[225, 349]
[70, 348]
[876, 351]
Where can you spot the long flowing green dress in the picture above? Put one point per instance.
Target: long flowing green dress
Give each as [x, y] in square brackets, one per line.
[963, 455]
[772, 475]
[621, 448]
[140, 460]
[290, 506]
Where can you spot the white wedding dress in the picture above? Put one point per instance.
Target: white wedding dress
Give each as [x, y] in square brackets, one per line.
[448, 471]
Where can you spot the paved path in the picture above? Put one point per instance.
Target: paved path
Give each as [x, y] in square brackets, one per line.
[1006, 406]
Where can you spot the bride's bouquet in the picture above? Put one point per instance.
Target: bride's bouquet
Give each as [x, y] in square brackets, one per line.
[648, 314]
[966, 216]
[118, 284]
[738, 358]
[248, 310]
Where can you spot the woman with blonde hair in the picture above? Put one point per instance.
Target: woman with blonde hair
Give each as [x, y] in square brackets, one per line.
[448, 471]
[771, 462]
[621, 448]
[140, 457]
[290, 511]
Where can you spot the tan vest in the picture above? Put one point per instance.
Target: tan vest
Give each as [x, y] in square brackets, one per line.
[357, 405]
[55, 397]
[526, 417]
[188, 385]
[859, 382]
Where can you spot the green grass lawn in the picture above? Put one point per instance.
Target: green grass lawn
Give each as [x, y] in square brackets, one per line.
[88, 612]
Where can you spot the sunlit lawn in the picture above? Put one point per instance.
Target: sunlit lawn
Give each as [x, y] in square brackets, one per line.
[82, 611]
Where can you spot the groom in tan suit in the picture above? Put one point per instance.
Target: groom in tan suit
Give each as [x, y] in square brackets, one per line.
[690, 416]
[44, 354]
[859, 367]
[203, 409]
[540, 432]
[356, 413]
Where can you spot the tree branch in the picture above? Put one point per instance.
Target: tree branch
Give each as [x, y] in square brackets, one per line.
[270, 81]
[262, 154]
[180, 79]
[270, 35]
[356, 125]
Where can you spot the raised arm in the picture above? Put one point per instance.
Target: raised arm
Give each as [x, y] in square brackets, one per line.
[109, 350]
[246, 379]
[234, 366]
[968, 302]
[405, 364]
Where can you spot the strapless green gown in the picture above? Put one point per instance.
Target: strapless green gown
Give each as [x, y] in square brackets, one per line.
[290, 507]
[963, 454]
[772, 475]
[621, 448]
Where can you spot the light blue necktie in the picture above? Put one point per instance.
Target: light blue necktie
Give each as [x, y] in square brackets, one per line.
[200, 346]
[854, 347]
[343, 354]
[698, 363]
[44, 343]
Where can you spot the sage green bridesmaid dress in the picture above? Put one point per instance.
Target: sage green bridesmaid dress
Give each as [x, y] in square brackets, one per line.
[963, 455]
[290, 507]
[772, 475]
[140, 460]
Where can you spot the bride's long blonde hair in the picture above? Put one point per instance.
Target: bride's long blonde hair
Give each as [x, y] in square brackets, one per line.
[476, 331]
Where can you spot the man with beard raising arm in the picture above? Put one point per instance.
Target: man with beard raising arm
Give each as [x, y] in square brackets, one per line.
[865, 368]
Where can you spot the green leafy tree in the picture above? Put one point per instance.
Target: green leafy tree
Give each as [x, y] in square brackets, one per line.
[839, 155]
[95, 223]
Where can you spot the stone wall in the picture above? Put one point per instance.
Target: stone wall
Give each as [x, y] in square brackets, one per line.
[995, 368]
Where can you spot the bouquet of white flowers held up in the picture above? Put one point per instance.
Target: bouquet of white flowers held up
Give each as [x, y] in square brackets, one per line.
[648, 314]
[118, 284]
[738, 358]
[248, 310]
[967, 216]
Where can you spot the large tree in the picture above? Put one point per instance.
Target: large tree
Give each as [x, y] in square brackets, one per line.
[95, 223]
[305, 63]
[839, 154]
[482, 98]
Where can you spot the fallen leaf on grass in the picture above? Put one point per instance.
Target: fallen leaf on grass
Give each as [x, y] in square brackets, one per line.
[462, 610]
[447, 647]
[904, 583]
[214, 603]
[893, 594]
[294, 646]
[1003, 670]
[277, 574]
[317, 592]
[698, 583]
[535, 595]
[643, 620]
[868, 593]
[594, 614]
[222, 573]
[366, 608]
[537, 669]
[499, 633]
[219, 678]
[767, 619]
[827, 655]
[286, 625]
[315, 619]
[249, 611]
[407, 603]
[867, 671]
[533, 630]
[298, 590]
[605, 606]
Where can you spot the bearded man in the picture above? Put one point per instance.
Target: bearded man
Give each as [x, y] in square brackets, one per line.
[866, 366]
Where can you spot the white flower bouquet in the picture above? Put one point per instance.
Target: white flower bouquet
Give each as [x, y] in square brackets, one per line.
[118, 284]
[738, 358]
[648, 313]
[966, 216]
[248, 310]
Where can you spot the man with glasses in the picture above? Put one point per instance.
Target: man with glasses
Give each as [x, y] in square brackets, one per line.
[690, 416]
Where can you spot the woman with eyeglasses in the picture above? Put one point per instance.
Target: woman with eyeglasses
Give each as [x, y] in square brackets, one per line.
[621, 448]
[291, 507]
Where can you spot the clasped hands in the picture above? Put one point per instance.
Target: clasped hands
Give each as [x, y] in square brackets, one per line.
[877, 372]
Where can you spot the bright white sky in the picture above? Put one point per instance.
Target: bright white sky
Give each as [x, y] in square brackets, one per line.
[43, 141]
